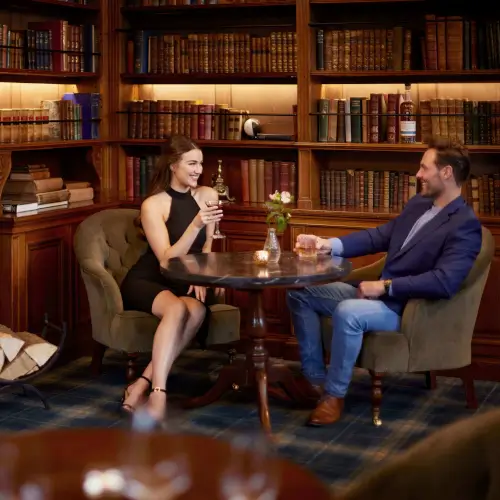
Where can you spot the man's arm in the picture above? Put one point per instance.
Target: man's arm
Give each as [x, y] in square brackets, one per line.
[368, 241]
[443, 282]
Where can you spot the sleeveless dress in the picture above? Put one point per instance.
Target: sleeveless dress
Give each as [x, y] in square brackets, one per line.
[145, 281]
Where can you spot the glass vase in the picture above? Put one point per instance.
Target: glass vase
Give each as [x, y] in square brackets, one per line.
[272, 245]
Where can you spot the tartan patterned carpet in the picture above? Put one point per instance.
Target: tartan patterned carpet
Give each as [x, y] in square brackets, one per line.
[336, 454]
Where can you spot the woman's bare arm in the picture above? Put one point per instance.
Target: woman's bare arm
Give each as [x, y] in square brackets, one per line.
[154, 213]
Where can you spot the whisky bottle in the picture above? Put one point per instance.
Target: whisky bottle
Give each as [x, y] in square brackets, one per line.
[408, 123]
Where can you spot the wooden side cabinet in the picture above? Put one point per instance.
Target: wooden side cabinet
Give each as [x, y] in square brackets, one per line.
[40, 275]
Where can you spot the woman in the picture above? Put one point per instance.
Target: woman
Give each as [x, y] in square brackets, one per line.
[175, 221]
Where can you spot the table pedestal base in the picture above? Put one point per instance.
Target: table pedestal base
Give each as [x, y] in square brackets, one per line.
[257, 371]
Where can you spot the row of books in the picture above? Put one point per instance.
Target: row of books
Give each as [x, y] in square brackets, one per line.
[31, 187]
[363, 50]
[391, 190]
[370, 189]
[149, 119]
[159, 52]
[261, 177]
[138, 174]
[375, 119]
[455, 43]
[448, 43]
[50, 46]
[74, 117]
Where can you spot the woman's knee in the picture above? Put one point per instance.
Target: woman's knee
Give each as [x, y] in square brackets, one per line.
[196, 310]
[170, 307]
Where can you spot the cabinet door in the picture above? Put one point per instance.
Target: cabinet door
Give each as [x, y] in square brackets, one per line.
[48, 280]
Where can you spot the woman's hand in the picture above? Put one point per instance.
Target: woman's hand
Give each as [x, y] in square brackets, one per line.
[207, 215]
[200, 292]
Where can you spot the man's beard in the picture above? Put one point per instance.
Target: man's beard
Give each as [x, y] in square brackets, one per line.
[430, 192]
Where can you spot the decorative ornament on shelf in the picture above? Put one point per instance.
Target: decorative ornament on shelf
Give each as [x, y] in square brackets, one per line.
[278, 216]
[251, 128]
[219, 186]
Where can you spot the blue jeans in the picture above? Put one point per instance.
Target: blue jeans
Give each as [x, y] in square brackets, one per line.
[351, 318]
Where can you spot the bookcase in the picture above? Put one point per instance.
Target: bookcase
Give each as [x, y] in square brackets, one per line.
[53, 132]
[326, 76]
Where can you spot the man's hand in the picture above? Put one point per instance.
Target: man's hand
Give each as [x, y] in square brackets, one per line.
[371, 289]
[321, 244]
[200, 292]
[219, 292]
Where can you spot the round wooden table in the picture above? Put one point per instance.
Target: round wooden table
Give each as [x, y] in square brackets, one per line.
[63, 458]
[238, 270]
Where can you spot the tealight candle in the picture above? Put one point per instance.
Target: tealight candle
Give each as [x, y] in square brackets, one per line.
[261, 257]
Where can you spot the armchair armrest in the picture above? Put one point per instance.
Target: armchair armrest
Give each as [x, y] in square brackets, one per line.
[439, 332]
[104, 297]
[370, 272]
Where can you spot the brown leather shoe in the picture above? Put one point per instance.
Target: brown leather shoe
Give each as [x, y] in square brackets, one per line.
[328, 411]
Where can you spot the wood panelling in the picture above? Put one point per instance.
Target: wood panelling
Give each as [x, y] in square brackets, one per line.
[47, 276]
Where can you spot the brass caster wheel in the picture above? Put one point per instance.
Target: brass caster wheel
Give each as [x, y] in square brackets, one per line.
[236, 387]
[377, 422]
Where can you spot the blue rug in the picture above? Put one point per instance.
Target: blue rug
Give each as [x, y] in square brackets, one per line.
[336, 454]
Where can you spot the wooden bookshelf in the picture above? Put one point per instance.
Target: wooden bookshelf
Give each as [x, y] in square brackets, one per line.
[36, 248]
[104, 160]
[243, 223]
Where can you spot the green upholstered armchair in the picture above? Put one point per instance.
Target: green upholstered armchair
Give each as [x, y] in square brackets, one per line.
[435, 335]
[107, 245]
[457, 462]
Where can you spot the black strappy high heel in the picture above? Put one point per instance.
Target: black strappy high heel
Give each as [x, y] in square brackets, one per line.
[125, 407]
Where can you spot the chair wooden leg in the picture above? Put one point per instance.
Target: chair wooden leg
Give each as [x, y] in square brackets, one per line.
[376, 397]
[132, 366]
[98, 351]
[430, 380]
[470, 391]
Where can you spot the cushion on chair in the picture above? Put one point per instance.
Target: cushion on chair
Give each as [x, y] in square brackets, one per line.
[381, 351]
[133, 331]
[224, 324]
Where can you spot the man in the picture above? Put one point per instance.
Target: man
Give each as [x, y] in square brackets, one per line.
[431, 247]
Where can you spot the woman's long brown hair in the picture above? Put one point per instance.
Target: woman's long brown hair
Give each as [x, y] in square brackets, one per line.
[171, 152]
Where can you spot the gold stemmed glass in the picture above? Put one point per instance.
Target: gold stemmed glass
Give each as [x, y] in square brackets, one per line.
[217, 203]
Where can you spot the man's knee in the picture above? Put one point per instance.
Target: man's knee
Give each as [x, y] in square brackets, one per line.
[347, 313]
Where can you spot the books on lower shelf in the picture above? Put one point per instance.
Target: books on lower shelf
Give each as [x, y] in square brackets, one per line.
[139, 172]
[30, 188]
[260, 178]
[370, 189]
[391, 190]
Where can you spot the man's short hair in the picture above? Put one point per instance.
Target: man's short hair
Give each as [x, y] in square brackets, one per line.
[451, 152]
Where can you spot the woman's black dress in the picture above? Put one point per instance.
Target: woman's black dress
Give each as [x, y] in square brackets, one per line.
[145, 281]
